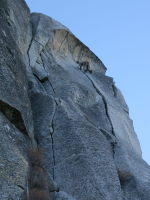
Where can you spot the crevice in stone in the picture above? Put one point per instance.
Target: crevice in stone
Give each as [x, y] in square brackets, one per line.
[21, 187]
[38, 43]
[13, 115]
[114, 90]
[104, 101]
[10, 51]
[125, 110]
[111, 138]
[46, 71]
[32, 38]
[44, 79]
[29, 50]
[51, 131]
[53, 155]
[41, 80]
[51, 86]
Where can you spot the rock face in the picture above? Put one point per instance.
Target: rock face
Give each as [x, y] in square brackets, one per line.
[78, 119]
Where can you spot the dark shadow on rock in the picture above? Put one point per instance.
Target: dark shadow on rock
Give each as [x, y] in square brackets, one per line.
[13, 115]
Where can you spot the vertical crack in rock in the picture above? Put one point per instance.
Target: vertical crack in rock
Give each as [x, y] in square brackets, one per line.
[111, 138]
[29, 50]
[51, 131]
[114, 90]
[53, 155]
[38, 42]
[104, 101]
[47, 72]
[51, 85]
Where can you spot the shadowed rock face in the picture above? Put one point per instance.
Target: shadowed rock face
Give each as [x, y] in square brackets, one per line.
[78, 119]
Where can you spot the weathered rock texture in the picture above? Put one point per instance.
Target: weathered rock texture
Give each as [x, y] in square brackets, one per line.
[78, 119]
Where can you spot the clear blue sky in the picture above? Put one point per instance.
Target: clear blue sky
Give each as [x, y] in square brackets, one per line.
[118, 32]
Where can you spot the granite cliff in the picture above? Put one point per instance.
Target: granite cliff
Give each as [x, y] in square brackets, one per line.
[79, 120]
